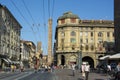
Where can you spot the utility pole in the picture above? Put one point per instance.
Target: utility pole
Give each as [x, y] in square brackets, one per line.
[49, 41]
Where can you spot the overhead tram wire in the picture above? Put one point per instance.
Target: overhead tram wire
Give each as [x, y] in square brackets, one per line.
[28, 11]
[23, 18]
[30, 15]
[53, 8]
[44, 24]
[49, 8]
[50, 11]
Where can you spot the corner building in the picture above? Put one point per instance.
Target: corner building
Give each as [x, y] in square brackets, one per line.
[74, 35]
[117, 25]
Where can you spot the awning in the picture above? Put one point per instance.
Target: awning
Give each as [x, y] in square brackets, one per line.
[9, 60]
[5, 60]
[104, 57]
[115, 56]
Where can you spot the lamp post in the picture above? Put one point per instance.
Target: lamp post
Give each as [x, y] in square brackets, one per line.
[79, 59]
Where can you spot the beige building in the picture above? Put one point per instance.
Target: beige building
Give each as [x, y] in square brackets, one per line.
[39, 53]
[9, 36]
[81, 40]
[27, 51]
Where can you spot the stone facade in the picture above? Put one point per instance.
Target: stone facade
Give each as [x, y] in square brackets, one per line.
[9, 35]
[49, 41]
[81, 40]
[27, 51]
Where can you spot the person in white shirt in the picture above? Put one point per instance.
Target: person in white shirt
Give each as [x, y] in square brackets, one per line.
[109, 68]
[87, 70]
[83, 69]
[73, 69]
[117, 76]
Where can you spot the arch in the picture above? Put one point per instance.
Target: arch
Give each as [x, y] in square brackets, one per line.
[72, 59]
[89, 60]
[62, 60]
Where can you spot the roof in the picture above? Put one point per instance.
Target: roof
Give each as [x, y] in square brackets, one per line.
[115, 56]
[68, 15]
[104, 57]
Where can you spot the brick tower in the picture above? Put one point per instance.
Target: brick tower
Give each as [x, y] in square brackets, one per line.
[49, 41]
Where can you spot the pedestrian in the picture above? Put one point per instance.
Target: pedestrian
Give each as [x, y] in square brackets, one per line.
[117, 76]
[108, 69]
[73, 69]
[12, 67]
[52, 67]
[87, 70]
[21, 67]
[83, 69]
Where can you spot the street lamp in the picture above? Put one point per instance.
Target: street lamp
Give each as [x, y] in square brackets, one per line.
[79, 59]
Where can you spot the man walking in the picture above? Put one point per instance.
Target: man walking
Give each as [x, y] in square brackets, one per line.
[87, 70]
[83, 69]
[73, 69]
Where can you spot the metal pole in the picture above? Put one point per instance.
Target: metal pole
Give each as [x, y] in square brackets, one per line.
[78, 60]
[80, 57]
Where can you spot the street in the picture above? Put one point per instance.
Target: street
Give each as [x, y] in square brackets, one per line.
[58, 74]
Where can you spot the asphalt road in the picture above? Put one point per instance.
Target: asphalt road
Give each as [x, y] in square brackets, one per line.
[59, 74]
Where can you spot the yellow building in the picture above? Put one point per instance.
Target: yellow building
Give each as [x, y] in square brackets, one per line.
[81, 40]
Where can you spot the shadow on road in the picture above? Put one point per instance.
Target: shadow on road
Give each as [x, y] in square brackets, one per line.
[80, 79]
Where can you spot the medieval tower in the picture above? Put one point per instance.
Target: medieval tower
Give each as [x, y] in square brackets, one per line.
[49, 41]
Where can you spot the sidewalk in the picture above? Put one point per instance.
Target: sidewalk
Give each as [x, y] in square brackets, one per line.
[66, 74]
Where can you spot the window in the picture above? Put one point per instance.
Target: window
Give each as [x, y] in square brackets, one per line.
[113, 34]
[92, 47]
[86, 33]
[91, 28]
[86, 40]
[91, 40]
[86, 47]
[81, 40]
[100, 34]
[73, 40]
[62, 40]
[81, 47]
[62, 47]
[100, 40]
[73, 47]
[91, 34]
[73, 33]
[81, 33]
[62, 21]
[108, 34]
[73, 20]
[62, 34]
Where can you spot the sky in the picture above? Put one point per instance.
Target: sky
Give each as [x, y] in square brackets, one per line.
[33, 15]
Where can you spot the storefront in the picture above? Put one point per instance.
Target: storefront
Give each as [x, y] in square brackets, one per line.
[4, 61]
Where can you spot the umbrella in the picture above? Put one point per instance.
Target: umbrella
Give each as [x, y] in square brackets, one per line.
[104, 57]
[115, 56]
